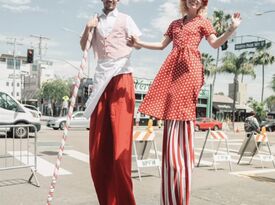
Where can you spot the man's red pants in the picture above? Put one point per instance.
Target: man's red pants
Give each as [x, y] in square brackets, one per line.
[111, 128]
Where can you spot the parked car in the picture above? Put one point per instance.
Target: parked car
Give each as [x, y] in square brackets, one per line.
[205, 123]
[77, 121]
[33, 108]
[269, 124]
[14, 113]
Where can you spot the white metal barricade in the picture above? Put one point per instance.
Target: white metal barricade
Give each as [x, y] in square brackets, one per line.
[19, 153]
[252, 146]
[142, 141]
[217, 136]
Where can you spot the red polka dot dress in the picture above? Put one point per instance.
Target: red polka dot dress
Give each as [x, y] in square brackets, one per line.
[174, 92]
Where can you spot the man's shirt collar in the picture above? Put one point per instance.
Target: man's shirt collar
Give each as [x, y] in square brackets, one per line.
[112, 13]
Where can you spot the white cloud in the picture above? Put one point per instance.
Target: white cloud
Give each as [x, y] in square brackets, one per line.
[225, 1]
[22, 8]
[126, 2]
[19, 6]
[148, 33]
[167, 12]
[270, 1]
[15, 2]
[83, 15]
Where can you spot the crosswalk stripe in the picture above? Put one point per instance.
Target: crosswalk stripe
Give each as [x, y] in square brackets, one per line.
[203, 162]
[77, 155]
[44, 167]
[253, 172]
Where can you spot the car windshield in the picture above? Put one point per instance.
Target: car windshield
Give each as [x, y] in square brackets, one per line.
[199, 119]
[30, 107]
[80, 114]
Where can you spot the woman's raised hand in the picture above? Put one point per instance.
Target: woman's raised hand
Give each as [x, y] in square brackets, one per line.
[236, 20]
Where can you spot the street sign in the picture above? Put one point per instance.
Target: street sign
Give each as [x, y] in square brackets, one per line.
[252, 44]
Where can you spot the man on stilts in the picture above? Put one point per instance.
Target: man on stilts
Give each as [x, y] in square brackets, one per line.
[111, 105]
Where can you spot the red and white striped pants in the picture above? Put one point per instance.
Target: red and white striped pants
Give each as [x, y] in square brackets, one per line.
[177, 162]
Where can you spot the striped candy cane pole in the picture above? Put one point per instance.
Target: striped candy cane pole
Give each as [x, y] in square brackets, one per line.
[69, 117]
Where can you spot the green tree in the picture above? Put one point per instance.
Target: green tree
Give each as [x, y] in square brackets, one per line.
[220, 22]
[54, 90]
[258, 107]
[208, 64]
[236, 65]
[263, 57]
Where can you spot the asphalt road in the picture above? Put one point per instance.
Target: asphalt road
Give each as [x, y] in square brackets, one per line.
[244, 185]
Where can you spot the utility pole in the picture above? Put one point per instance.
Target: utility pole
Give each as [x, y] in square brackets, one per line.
[14, 43]
[40, 38]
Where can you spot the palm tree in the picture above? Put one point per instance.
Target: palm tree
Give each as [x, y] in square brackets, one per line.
[208, 64]
[263, 57]
[237, 65]
[220, 23]
[273, 83]
[270, 102]
[247, 70]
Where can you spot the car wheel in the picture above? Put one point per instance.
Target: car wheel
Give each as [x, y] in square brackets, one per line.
[62, 125]
[215, 128]
[55, 128]
[197, 128]
[21, 132]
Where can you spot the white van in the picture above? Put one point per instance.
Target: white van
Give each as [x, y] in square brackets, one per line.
[14, 113]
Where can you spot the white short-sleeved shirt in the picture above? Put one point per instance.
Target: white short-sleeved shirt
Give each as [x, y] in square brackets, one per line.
[108, 68]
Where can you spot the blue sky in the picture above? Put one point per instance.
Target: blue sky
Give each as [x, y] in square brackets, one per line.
[21, 18]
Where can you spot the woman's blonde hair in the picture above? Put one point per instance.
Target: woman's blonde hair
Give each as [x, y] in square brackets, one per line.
[202, 11]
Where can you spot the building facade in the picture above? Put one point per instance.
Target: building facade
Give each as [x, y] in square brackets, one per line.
[22, 78]
[142, 86]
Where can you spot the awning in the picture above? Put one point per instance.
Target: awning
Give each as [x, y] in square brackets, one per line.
[244, 107]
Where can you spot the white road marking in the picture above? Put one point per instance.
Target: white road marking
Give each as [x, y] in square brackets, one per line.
[203, 162]
[44, 167]
[253, 172]
[77, 155]
[233, 144]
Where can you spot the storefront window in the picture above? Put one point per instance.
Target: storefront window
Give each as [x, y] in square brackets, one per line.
[138, 96]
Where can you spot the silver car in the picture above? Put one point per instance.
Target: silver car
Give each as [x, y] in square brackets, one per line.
[77, 121]
[33, 109]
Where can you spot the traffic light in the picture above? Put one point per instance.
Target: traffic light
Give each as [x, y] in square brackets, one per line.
[30, 55]
[225, 46]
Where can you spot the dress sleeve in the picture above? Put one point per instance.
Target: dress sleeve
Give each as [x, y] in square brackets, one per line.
[208, 29]
[169, 31]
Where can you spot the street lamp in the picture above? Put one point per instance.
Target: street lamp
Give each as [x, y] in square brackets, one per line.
[72, 31]
[264, 12]
[76, 33]
[66, 61]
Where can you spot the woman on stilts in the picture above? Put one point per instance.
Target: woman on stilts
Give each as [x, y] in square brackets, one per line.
[173, 95]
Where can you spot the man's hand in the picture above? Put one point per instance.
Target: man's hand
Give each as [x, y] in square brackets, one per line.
[133, 42]
[93, 22]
